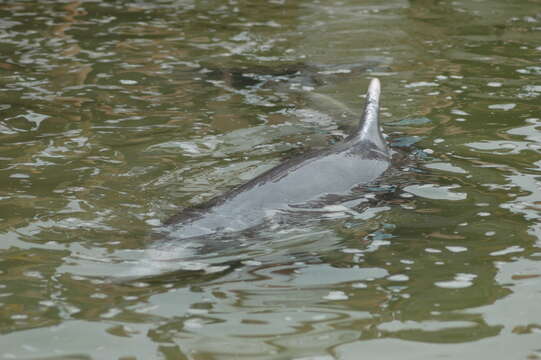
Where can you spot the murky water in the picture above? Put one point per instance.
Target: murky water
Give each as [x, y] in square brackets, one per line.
[116, 115]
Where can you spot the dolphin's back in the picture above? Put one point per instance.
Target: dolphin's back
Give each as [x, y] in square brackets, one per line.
[360, 159]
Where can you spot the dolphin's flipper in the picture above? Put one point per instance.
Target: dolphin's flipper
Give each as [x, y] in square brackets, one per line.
[368, 130]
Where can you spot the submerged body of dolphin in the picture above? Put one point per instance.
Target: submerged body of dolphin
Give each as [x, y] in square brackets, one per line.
[360, 159]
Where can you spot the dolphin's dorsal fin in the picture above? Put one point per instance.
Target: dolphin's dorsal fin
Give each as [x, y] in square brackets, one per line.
[368, 130]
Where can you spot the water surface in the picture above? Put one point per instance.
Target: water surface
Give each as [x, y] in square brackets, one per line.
[114, 116]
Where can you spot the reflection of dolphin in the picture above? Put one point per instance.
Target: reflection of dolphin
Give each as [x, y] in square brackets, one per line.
[360, 159]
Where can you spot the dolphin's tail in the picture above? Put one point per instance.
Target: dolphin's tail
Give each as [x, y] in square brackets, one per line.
[369, 129]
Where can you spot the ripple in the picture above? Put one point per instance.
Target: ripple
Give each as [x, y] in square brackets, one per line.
[434, 192]
[461, 280]
[505, 107]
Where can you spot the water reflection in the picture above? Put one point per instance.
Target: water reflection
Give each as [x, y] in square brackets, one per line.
[112, 116]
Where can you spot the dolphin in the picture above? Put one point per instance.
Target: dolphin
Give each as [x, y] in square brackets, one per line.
[359, 159]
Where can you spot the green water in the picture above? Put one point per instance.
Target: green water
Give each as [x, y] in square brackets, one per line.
[115, 115]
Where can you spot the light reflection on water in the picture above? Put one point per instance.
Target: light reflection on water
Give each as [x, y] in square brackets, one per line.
[114, 116]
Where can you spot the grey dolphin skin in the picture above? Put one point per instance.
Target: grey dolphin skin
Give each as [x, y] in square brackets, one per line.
[360, 159]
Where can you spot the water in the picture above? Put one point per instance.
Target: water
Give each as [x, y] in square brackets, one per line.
[113, 116]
